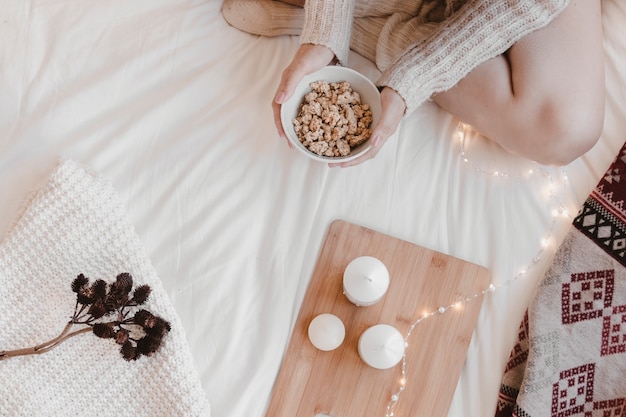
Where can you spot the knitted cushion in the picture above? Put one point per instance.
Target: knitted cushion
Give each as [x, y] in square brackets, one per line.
[75, 224]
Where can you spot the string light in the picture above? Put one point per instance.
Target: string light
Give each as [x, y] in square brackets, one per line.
[559, 212]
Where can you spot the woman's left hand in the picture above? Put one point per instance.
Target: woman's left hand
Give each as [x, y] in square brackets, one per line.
[393, 108]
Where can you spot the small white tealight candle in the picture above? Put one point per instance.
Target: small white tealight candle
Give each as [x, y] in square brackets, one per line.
[326, 332]
[381, 346]
[365, 281]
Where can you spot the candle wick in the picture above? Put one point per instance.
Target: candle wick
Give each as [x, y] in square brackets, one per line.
[367, 277]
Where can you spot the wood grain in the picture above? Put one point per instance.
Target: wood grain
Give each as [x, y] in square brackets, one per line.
[338, 382]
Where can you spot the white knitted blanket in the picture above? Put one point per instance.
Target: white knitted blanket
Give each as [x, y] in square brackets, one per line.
[75, 224]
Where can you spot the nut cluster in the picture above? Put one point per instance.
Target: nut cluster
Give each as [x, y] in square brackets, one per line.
[332, 119]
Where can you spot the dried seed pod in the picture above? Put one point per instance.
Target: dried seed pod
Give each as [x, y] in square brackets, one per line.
[79, 282]
[141, 294]
[129, 351]
[121, 336]
[97, 310]
[104, 330]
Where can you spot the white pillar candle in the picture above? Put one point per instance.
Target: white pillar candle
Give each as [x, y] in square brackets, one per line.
[381, 346]
[326, 332]
[365, 280]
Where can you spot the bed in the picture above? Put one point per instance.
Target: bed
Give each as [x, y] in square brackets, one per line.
[171, 105]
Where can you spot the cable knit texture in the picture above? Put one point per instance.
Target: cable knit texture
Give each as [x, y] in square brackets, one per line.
[439, 56]
[76, 224]
[329, 23]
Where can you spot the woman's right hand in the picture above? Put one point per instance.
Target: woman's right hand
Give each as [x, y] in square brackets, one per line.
[308, 58]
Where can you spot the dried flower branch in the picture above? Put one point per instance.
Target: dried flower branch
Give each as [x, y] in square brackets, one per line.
[105, 309]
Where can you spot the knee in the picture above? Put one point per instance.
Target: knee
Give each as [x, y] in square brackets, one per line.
[264, 17]
[244, 15]
[562, 132]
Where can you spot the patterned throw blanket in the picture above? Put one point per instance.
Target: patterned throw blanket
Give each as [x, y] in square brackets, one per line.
[570, 356]
[75, 224]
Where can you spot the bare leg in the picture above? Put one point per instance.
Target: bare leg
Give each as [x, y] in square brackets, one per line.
[544, 98]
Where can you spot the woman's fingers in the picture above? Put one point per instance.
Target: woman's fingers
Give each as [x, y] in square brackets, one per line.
[308, 58]
[393, 108]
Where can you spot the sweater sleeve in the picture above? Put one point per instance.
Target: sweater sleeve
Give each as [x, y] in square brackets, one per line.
[480, 30]
[329, 23]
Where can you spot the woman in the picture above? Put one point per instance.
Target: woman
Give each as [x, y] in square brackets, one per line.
[528, 74]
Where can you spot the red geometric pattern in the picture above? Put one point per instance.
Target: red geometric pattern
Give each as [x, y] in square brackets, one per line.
[573, 364]
[611, 408]
[587, 295]
[603, 215]
[610, 191]
[519, 354]
[614, 332]
[573, 391]
[573, 396]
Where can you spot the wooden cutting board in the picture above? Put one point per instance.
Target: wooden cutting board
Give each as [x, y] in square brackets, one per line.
[338, 383]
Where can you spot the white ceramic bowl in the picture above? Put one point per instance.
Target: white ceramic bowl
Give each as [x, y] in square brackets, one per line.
[333, 73]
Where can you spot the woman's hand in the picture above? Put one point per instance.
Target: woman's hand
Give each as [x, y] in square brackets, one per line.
[393, 108]
[309, 58]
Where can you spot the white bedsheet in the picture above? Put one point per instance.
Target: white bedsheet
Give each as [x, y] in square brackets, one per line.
[172, 105]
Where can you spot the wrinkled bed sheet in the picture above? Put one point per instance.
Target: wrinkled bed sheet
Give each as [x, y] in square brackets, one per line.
[171, 104]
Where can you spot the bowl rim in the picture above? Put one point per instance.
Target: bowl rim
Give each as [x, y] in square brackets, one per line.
[287, 124]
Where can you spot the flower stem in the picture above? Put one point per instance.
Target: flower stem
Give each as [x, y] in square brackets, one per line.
[46, 346]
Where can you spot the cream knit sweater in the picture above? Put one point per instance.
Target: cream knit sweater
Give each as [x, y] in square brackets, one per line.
[418, 63]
